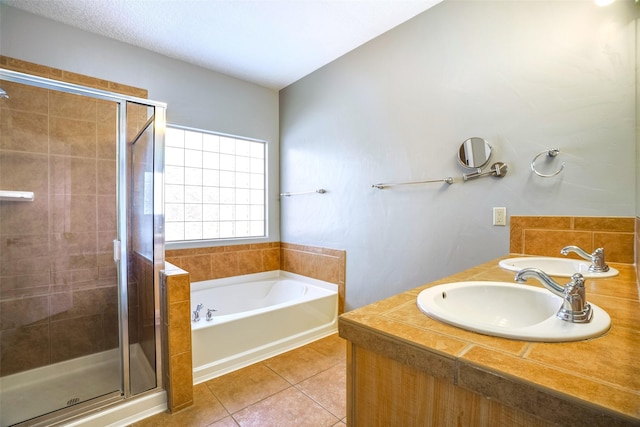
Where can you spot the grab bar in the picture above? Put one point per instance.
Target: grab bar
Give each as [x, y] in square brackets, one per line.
[448, 180]
[319, 191]
[16, 196]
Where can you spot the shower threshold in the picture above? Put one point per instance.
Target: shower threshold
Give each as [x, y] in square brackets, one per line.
[39, 391]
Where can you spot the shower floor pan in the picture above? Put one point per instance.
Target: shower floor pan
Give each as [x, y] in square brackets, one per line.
[43, 390]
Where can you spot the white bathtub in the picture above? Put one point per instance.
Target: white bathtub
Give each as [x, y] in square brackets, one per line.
[257, 316]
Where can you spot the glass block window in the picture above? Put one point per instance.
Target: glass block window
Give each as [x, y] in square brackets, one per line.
[214, 186]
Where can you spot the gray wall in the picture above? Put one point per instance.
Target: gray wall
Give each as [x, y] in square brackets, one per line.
[527, 76]
[196, 97]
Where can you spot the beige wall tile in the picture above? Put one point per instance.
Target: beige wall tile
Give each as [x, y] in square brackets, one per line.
[198, 266]
[224, 265]
[610, 224]
[549, 243]
[23, 312]
[71, 137]
[618, 246]
[179, 328]
[179, 289]
[181, 381]
[24, 348]
[107, 128]
[548, 222]
[24, 66]
[250, 262]
[107, 218]
[23, 131]
[24, 172]
[81, 342]
[73, 214]
[25, 98]
[106, 177]
[72, 175]
[271, 259]
[546, 236]
[23, 255]
[72, 106]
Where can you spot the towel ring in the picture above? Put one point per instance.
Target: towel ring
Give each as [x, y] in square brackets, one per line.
[551, 152]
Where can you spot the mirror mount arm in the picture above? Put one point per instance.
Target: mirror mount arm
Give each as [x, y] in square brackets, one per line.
[497, 169]
[471, 175]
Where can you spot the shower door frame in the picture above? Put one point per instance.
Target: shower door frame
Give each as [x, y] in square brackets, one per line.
[120, 245]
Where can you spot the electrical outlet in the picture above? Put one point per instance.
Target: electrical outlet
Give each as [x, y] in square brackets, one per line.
[499, 216]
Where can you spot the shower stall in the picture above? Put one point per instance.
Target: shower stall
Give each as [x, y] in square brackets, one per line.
[81, 248]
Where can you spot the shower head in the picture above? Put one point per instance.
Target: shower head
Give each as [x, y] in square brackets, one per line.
[3, 94]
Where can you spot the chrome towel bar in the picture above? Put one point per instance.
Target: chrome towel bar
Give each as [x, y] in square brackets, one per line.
[319, 191]
[448, 180]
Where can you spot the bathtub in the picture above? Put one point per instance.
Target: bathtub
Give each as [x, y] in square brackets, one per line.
[257, 316]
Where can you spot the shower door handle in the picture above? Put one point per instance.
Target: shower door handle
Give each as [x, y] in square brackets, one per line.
[116, 250]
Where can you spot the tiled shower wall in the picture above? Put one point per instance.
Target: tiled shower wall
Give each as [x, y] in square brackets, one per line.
[56, 264]
[546, 235]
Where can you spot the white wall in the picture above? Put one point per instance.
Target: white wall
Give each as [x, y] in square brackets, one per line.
[526, 76]
[196, 97]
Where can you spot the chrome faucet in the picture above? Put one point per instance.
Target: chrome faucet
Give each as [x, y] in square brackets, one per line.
[596, 258]
[575, 308]
[196, 314]
[210, 314]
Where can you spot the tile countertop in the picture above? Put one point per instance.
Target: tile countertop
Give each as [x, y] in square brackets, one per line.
[597, 378]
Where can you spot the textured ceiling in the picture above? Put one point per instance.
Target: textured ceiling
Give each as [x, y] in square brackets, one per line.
[269, 42]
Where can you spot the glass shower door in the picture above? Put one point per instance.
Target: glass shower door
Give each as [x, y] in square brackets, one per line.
[59, 295]
[142, 330]
[81, 247]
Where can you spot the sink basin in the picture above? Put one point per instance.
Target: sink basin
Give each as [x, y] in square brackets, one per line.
[508, 310]
[560, 267]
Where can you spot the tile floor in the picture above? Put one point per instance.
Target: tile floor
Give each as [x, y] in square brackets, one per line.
[299, 388]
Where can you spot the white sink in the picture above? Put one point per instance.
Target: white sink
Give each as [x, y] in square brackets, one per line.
[508, 310]
[561, 267]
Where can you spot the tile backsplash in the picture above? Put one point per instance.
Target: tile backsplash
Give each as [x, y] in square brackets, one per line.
[226, 261]
[546, 235]
[235, 260]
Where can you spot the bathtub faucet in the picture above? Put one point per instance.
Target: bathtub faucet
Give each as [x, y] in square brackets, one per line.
[196, 314]
[575, 308]
[210, 314]
[597, 258]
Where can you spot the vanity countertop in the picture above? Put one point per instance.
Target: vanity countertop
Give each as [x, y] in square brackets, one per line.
[599, 377]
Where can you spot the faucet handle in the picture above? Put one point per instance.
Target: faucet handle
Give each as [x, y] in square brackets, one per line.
[196, 313]
[598, 265]
[575, 308]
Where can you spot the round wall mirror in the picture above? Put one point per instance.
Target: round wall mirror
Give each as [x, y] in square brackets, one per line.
[474, 153]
